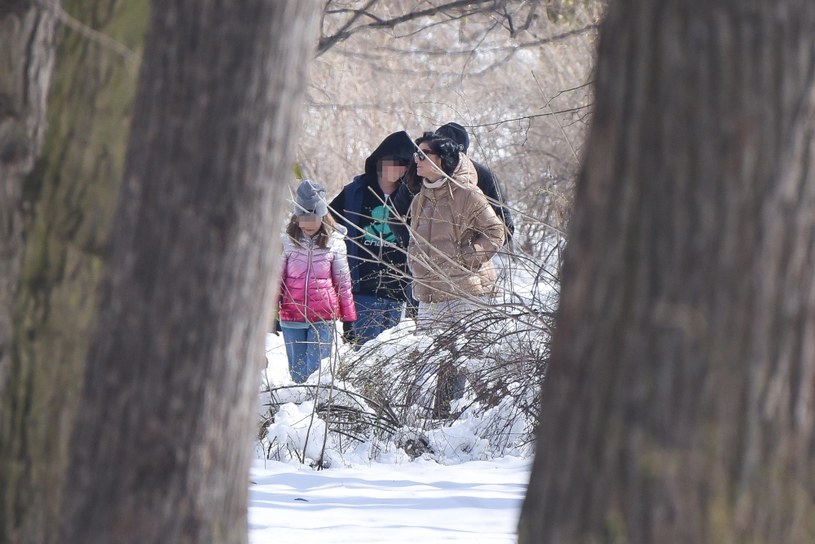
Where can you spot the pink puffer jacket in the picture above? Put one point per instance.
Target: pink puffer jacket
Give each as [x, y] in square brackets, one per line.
[316, 283]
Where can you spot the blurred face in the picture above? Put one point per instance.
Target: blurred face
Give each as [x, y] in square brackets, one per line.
[390, 171]
[310, 223]
[428, 163]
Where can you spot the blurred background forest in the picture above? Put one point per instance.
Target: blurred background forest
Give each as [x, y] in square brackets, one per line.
[516, 74]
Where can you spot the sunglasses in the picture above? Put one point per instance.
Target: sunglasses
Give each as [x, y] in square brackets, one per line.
[418, 157]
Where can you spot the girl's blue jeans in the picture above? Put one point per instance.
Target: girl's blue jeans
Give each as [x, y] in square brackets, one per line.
[306, 347]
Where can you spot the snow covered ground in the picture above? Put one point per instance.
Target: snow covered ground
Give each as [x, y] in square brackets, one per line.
[400, 501]
[470, 489]
[414, 502]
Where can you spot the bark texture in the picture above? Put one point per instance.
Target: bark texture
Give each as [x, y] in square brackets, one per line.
[162, 443]
[27, 61]
[56, 207]
[27, 53]
[679, 401]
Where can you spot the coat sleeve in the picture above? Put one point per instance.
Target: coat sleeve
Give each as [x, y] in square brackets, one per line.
[341, 277]
[284, 258]
[485, 233]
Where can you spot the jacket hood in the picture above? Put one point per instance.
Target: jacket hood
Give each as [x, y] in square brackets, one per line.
[464, 174]
[397, 145]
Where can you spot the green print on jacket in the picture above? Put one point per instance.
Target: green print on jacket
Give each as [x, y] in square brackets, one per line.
[379, 229]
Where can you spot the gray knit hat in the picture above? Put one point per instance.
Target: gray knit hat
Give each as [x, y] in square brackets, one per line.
[310, 199]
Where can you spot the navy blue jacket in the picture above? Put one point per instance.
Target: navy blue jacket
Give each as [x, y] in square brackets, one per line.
[377, 237]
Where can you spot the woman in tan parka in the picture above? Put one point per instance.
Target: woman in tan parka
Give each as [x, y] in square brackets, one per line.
[454, 234]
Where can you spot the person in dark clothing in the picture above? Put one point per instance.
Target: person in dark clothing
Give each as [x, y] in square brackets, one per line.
[486, 181]
[371, 207]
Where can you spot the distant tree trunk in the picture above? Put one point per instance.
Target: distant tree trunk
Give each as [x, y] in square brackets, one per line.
[163, 439]
[58, 180]
[679, 403]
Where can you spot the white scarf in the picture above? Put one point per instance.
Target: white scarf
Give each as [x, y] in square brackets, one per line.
[434, 184]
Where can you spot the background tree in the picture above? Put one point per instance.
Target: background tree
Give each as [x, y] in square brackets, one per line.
[56, 207]
[159, 450]
[679, 406]
[58, 216]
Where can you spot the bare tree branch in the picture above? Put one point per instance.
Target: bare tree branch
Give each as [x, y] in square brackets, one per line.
[467, 7]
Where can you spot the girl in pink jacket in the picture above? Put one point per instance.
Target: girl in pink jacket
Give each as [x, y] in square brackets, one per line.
[315, 287]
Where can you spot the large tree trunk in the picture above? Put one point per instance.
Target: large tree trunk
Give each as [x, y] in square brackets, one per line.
[162, 443]
[27, 43]
[679, 406]
[56, 209]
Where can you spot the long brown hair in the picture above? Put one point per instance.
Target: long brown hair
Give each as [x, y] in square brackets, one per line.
[327, 226]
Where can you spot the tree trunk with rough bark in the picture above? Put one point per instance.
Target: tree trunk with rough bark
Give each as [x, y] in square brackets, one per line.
[27, 42]
[56, 209]
[161, 447]
[679, 401]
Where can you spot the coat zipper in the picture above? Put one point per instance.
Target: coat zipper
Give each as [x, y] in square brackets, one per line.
[386, 214]
[308, 278]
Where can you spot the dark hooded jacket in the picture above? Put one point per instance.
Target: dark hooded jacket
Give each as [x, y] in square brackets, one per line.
[377, 236]
[486, 181]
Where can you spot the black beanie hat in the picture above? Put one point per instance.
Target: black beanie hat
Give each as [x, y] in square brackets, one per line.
[455, 132]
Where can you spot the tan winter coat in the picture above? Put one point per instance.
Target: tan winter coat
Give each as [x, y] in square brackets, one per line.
[454, 233]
